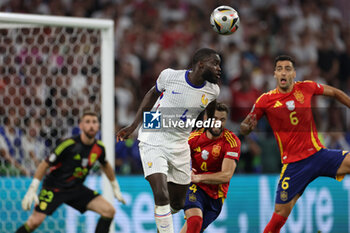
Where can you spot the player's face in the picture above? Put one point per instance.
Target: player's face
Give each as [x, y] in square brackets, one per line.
[89, 125]
[219, 116]
[212, 69]
[285, 75]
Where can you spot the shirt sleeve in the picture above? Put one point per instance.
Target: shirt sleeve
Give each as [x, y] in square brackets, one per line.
[318, 88]
[102, 158]
[162, 80]
[232, 147]
[258, 108]
[58, 153]
[192, 139]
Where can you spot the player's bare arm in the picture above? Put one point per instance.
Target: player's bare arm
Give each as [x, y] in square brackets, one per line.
[248, 124]
[146, 104]
[337, 94]
[41, 170]
[108, 170]
[227, 169]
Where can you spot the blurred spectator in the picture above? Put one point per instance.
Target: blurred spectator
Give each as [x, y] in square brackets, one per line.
[243, 97]
[336, 139]
[124, 102]
[34, 147]
[232, 63]
[11, 149]
[344, 62]
[128, 157]
[327, 57]
[250, 160]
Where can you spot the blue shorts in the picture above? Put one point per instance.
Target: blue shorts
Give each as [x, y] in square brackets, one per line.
[296, 176]
[198, 198]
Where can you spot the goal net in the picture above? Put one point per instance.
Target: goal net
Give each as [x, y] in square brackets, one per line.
[52, 69]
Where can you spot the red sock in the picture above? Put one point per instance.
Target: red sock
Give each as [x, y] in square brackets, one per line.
[194, 224]
[276, 223]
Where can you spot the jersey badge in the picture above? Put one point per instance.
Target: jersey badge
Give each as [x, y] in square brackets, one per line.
[192, 197]
[284, 196]
[149, 164]
[299, 96]
[205, 154]
[204, 101]
[197, 149]
[290, 105]
[43, 205]
[216, 151]
[77, 157]
[93, 157]
[277, 104]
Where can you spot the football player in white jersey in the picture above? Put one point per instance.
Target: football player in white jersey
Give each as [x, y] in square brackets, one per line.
[165, 153]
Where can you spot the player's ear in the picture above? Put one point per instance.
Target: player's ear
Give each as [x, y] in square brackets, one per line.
[200, 64]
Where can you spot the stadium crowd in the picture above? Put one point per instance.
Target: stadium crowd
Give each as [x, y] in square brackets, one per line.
[151, 35]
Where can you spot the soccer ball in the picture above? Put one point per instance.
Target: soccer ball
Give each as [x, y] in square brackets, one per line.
[224, 20]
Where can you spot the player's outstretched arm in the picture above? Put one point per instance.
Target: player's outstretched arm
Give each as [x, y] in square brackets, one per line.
[108, 170]
[337, 94]
[227, 169]
[146, 104]
[248, 124]
[31, 195]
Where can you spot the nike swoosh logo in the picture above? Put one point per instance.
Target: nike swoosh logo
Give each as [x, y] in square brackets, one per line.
[175, 92]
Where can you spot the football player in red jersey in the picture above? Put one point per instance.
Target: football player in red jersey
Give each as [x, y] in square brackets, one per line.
[214, 153]
[304, 158]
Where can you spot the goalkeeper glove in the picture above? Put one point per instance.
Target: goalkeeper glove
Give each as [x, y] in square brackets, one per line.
[31, 195]
[116, 191]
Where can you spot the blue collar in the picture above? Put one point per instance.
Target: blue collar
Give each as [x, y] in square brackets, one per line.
[189, 83]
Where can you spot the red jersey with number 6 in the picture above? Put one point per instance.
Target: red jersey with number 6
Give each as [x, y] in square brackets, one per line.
[290, 117]
[207, 157]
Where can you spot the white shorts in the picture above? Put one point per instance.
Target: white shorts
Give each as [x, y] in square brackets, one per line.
[175, 163]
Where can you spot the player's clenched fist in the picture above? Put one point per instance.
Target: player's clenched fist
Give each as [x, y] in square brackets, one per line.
[31, 195]
[125, 132]
[248, 124]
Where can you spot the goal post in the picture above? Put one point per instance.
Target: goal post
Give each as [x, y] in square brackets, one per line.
[78, 58]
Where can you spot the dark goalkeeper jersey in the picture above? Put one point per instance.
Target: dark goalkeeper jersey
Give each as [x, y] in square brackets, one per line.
[71, 161]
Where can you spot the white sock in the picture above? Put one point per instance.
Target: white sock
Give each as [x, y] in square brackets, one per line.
[164, 219]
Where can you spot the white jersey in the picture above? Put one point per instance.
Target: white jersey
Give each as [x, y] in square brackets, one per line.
[180, 101]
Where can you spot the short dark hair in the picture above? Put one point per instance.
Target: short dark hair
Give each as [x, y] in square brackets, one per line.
[221, 107]
[202, 54]
[284, 58]
[88, 113]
